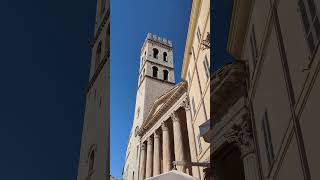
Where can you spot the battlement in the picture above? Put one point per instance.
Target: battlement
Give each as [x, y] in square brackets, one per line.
[159, 39]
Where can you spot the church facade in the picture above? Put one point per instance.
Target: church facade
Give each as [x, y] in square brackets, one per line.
[94, 153]
[166, 136]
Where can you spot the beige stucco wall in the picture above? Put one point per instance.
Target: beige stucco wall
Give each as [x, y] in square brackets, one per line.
[269, 89]
[195, 75]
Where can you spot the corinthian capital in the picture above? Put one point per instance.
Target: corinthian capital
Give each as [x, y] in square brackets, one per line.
[241, 135]
[150, 140]
[174, 116]
[164, 126]
[185, 104]
[143, 146]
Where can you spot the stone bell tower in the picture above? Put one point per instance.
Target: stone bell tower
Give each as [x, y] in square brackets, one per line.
[94, 153]
[156, 76]
[156, 73]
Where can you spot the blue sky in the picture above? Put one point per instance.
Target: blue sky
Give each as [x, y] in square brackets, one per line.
[45, 58]
[130, 23]
[220, 28]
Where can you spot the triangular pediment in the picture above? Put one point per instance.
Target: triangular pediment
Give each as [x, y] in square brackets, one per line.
[161, 103]
[158, 103]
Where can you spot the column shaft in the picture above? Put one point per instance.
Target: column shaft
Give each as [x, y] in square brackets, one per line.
[142, 162]
[191, 137]
[250, 166]
[156, 154]
[166, 151]
[149, 165]
[178, 141]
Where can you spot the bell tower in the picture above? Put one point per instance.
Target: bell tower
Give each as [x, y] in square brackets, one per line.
[94, 152]
[156, 77]
[156, 73]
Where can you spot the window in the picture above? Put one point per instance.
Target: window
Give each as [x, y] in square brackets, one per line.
[91, 161]
[154, 71]
[165, 75]
[311, 24]
[193, 106]
[165, 57]
[155, 53]
[253, 46]
[199, 35]
[98, 55]
[206, 66]
[267, 138]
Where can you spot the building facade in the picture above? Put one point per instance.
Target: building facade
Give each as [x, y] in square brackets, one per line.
[265, 118]
[94, 153]
[166, 137]
[196, 73]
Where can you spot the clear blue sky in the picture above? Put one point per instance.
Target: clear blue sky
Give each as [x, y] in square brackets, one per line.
[130, 23]
[220, 28]
[45, 58]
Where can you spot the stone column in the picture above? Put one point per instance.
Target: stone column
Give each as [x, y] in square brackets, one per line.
[166, 151]
[241, 135]
[156, 154]
[149, 165]
[142, 162]
[178, 141]
[191, 137]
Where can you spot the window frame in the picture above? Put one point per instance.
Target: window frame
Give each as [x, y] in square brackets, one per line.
[311, 24]
[267, 139]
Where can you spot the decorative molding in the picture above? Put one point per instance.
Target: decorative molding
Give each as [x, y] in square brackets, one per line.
[241, 135]
[156, 134]
[150, 140]
[185, 104]
[164, 126]
[143, 147]
[228, 85]
[174, 117]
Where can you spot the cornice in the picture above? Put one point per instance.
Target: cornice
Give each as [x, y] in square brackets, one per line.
[228, 85]
[190, 36]
[238, 26]
[153, 117]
